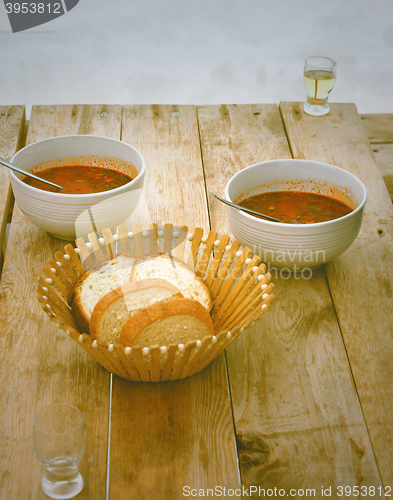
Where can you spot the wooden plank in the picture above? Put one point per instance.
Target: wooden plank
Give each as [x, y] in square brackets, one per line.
[379, 130]
[39, 363]
[12, 120]
[174, 184]
[360, 280]
[298, 420]
[383, 154]
[169, 435]
[378, 127]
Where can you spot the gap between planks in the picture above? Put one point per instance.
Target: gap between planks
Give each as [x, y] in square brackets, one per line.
[224, 352]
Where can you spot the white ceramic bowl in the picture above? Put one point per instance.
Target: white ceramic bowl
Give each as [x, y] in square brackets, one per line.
[296, 246]
[68, 216]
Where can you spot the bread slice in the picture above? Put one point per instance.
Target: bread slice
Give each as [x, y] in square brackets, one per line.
[97, 282]
[169, 322]
[122, 262]
[176, 272]
[113, 310]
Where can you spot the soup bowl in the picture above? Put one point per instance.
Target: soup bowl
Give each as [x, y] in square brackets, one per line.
[296, 246]
[69, 216]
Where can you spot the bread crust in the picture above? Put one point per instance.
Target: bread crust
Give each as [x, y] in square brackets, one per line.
[128, 288]
[161, 310]
[80, 317]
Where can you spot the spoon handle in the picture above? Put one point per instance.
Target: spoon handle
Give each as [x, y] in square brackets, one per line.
[249, 211]
[7, 164]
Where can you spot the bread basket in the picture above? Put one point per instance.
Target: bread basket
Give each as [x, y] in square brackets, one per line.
[237, 280]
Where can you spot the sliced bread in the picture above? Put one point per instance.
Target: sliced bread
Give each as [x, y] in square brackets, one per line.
[113, 310]
[169, 322]
[97, 282]
[176, 272]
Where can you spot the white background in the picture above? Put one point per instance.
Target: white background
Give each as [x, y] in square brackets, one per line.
[199, 52]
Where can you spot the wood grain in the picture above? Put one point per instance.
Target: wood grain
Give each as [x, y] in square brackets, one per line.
[298, 420]
[12, 120]
[39, 364]
[383, 154]
[170, 435]
[379, 128]
[365, 318]
[167, 136]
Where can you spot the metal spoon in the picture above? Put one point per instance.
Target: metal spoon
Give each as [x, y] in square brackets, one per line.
[247, 209]
[7, 164]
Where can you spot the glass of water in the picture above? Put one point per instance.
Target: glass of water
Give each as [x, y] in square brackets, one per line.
[59, 437]
[319, 77]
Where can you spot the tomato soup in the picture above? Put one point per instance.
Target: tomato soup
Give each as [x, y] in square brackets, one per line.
[297, 207]
[79, 179]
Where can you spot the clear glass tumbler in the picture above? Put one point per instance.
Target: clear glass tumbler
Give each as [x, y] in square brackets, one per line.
[319, 77]
[59, 437]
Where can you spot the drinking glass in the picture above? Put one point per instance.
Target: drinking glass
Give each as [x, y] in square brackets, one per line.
[59, 437]
[319, 77]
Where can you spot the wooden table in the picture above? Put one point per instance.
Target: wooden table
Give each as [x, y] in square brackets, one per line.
[302, 400]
